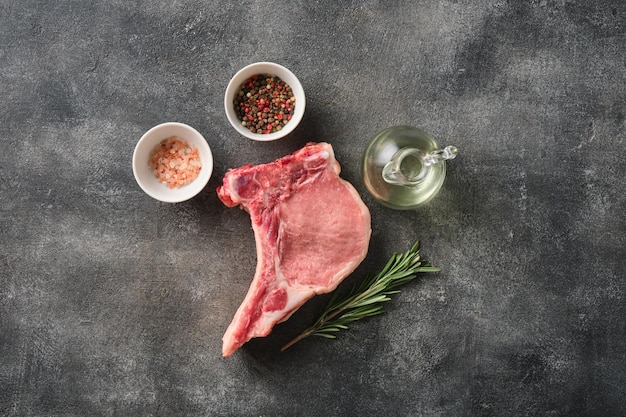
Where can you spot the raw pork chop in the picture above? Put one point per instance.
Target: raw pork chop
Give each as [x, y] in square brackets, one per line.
[311, 229]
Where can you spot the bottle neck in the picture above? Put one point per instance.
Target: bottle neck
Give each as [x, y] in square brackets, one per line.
[406, 167]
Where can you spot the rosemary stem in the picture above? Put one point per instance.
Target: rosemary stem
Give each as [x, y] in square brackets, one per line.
[367, 299]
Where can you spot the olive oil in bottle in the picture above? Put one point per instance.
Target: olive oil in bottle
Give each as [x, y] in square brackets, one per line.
[403, 167]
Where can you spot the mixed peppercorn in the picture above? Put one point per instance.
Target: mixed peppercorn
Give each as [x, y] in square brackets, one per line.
[264, 103]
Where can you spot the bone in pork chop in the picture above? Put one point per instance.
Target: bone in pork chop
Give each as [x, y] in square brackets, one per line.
[311, 230]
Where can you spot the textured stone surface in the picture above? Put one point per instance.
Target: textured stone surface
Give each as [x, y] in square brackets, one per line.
[112, 303]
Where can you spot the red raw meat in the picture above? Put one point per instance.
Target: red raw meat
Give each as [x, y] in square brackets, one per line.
[311, 229]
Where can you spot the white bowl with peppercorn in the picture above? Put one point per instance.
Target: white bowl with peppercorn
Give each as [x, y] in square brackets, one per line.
[172, 162]
[264, 101]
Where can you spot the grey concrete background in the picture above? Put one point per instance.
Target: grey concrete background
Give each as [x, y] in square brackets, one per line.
[113, 304]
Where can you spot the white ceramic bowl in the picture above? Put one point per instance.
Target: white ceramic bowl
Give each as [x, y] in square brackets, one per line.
[146, 179]
[264, 68]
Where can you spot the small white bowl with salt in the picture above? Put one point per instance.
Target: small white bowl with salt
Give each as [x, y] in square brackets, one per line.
[172, 162]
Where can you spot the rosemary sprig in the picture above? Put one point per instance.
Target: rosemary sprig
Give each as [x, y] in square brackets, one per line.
[366, 300]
